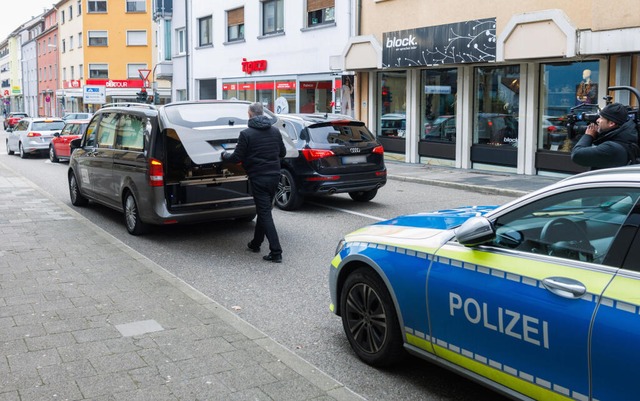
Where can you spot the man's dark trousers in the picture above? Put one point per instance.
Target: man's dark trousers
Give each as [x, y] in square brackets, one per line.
[264, 189]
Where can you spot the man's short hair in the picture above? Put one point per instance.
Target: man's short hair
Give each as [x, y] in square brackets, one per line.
[255, 109]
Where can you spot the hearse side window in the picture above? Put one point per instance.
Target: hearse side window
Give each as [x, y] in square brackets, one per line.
[107, 130]
[130, 133]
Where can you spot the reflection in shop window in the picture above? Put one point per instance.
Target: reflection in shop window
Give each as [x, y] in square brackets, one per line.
[439, 105]
[497, 91]
[564, 87]
[392, 95]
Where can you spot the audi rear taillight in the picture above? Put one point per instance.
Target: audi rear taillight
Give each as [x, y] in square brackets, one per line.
[32, 134]
[315, 154]
[156, 173]
[378, 150]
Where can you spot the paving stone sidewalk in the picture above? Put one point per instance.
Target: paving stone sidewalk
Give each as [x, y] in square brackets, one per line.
[116, 326]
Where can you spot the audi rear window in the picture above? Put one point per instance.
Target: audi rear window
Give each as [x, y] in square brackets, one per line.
[340, 133]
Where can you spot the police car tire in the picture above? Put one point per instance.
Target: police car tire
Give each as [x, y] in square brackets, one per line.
[356, 310]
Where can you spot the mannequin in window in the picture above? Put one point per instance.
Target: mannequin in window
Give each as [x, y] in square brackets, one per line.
[587, 90]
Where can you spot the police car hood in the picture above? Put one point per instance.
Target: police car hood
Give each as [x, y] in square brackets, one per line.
[415, 228]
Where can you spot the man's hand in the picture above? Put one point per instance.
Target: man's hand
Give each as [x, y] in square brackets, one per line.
[592, 130]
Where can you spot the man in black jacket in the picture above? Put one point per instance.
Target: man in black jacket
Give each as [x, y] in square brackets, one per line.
[608, 142]
[260, 149]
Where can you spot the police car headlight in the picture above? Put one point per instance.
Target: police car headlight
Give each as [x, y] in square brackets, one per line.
[340, 246]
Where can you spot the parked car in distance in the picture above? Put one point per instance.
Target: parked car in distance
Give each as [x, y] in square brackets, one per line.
[337, 154]
[32, 136]
[441, 129]
[537, 298]
[60, 148]
[77, 116]
[12, 119]
[162, 165]
[393, 125]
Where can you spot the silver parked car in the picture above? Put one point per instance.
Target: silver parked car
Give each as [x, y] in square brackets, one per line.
[162, 165]
[33, 135]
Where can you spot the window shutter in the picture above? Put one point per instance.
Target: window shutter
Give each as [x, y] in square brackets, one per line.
[235, 17]
[315, 5]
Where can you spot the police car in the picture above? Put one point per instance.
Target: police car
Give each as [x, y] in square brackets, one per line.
[538, 298]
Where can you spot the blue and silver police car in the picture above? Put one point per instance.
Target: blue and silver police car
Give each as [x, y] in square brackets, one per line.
[538, 298]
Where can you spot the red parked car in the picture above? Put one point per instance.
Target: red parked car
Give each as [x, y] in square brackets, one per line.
[59, 147]
[13, 118]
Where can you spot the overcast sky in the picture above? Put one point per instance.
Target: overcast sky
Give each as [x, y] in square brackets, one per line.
[20, 12]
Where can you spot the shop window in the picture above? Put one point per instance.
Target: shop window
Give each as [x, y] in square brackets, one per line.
[438, 118]
[272, 16]
[285, 97]
[247, 91]
[316, 97]
[235, 24]
[204, 31]
[392, 94]
[320, 12]
[496, 107]
[264, 94]
[230, 91]
[563, 88]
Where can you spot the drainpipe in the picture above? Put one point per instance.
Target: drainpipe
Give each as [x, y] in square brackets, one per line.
[186, 43]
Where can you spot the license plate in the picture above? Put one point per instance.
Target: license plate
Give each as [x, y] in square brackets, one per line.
[354, 159]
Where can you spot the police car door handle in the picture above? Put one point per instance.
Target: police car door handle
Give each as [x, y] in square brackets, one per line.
[565, 287]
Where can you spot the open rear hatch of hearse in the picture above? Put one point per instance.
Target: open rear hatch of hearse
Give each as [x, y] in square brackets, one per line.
[195, 176]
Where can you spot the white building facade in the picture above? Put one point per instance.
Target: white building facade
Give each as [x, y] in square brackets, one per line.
[259, 51]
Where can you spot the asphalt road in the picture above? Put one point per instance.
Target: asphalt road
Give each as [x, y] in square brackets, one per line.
[287, 301]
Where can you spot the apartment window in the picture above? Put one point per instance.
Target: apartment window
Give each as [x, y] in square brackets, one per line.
[204, 31]
[80, 39]
[180, 38]
[62, 17]
[80, 71]
[70, 13]
[136, 6]
[72, 73]
[272, 16]
[167, 40]
[64, 46]
[64, 74]
[70, 42]
[97, 6]
[79, 8]
[235, 24]
[320, 12]
[98, 71]
[98, 38]
[136, 38]
[132, 70]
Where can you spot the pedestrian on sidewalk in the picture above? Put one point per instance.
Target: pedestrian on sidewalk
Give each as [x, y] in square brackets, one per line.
[609, 142]
[260, 149]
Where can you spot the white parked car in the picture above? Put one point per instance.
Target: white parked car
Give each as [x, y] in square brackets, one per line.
[33, 135]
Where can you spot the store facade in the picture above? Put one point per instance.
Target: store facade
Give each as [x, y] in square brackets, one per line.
[464, 94]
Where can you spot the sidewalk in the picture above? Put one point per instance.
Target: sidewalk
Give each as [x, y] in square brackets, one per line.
[497, 183]
[117, 326]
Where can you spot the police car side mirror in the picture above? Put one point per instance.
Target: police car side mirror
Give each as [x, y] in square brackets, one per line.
[475, 231]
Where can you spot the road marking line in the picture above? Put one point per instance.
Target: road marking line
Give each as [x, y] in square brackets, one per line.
[350, 212]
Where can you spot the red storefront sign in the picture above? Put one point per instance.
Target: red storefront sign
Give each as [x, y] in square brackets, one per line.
[72, 84]
[255, 65]
[117, 83]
